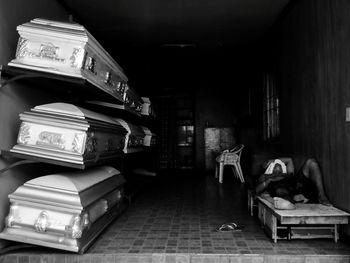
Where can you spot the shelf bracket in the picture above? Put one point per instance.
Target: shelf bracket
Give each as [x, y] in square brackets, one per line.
[3, 82]
[17, 164]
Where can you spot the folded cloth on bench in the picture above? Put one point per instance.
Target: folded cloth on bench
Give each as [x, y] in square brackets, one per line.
[278, 202]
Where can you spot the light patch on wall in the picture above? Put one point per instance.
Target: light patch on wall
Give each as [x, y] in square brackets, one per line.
[347, 114]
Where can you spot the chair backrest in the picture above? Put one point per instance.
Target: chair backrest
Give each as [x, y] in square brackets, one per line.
[231, 157]
[238, 150]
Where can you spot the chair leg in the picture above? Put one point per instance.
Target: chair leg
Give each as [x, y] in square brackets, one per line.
[221, 172]
[236, 171]
[216, 170]
[240, 173]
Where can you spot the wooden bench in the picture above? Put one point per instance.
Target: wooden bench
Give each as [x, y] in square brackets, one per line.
[306, 221]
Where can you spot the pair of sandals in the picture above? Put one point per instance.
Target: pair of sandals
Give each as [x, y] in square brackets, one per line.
[230, 227]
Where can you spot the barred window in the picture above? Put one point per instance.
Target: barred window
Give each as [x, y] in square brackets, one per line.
[271, 123]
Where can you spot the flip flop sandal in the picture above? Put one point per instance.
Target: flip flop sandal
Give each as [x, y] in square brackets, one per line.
[230, 227]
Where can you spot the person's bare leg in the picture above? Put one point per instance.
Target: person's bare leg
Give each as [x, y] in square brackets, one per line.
[312, 171]
[284, 193]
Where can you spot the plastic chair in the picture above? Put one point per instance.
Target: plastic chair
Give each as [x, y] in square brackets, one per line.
[230, 157]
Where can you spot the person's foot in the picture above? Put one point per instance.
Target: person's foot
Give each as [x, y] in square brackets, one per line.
[283, 204]
[324, 201]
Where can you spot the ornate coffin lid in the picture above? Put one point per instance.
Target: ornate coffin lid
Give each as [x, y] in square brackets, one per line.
[70, 31]
[131, 128]
[70, 110]
[75, 190]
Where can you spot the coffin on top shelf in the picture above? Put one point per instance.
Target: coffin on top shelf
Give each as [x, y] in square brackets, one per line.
[68, 49]
[66, 210]
[132, 102]
[68, 135]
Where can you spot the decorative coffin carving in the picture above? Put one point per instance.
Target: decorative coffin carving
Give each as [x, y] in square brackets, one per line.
[65, 211]
[150, 138]
[70, 135]
[134, 138]
[133, 100]
[68, 49]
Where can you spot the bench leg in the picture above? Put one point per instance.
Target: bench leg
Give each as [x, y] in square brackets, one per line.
[240, 173]
[274, 229]
[336, 234]
[249, 201]
[251, 205]
[289, 229]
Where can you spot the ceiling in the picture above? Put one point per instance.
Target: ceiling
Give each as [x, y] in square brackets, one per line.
[203, 23]
[140, 33]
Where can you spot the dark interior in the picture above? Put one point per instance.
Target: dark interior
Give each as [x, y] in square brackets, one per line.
[207, 65]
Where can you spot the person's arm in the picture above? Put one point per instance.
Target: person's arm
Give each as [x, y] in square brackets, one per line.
[265, 179]
[289, 164]
[262, 185]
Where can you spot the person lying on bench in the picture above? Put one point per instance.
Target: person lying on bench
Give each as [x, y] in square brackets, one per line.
[283, 188]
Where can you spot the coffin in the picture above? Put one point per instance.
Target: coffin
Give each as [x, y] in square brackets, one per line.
[65, 211]
[134, 137]
[68, 135]
[68, 49]
[146, 107]
[133, 100]
[150, 138]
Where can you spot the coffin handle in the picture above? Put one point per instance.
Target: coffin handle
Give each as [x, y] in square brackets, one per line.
[42, 222]
[10, 219]
[79, 223]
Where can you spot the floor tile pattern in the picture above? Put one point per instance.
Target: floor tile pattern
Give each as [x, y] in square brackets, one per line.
[174, 219]
[181, 215]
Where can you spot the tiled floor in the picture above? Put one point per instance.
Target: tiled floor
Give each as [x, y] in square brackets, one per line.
[181, 214]
[178, 215]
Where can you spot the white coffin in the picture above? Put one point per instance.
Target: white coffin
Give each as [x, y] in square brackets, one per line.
[147, 107]
[68, 49]
[133, 100]
[134, 138]
[65, 211]
[150, 138]
[68, 135]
